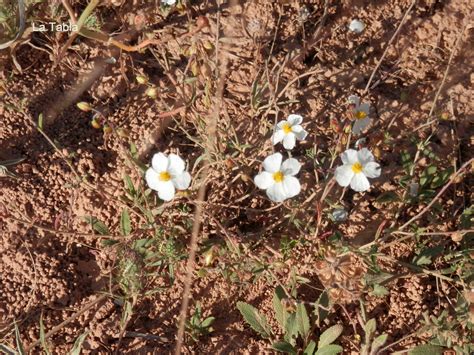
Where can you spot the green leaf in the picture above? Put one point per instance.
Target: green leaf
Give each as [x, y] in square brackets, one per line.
[280, 312]
[380, 291]
[426, 349]
[387, 197]
[426, 255]
[329, 350]
[76, 348]
[125, 223]
[129, 185]
[303, 320]
[19, 344]
[97, 225]
[291, 329]
[257, 321]
[207, 322]
[40, 121]
[369, 329]
[43, 342]
[310, 348]
[284, 347]
[321, 308]
[330, 335]
[379, 342]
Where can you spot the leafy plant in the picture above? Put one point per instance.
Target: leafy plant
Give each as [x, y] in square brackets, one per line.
[296, 324]
[196, 326]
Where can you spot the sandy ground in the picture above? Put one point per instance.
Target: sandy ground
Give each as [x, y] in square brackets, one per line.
[56, 274]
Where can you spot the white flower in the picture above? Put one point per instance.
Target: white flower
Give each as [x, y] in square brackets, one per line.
[279, 179]
[358, 166]
[168, 2]
[166, 175]
[356, 26]
[289, 131]
[361, 114]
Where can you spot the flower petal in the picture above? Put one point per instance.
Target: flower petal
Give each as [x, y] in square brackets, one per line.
[276, 193]
[297, 128]
[349, 156]
[360, 183]
[289, 141]
[282, 123]
[356, 26]
[360, 125]
[294, 119]
[264, 180]
[182, 181]
[364, 107]
[159, 162]
[292, 186]
[290, 167]
[354, 99]
[166, 190]
[364, 156]
[344, 175]
[278, 136]
[175, 165]
[301, 135]
[372, 169]
[151, 177]
[272, 163]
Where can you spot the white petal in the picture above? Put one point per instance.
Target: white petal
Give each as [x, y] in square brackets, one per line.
[360, 183]
[166, 190]
[344, 175]
[360, 125]
[292, 186]
[294, 119]
[364, 156]
[264, 180]
[282, 123]
[365, 107]
[175, 165]
[277, 137]
[151, 177]
[290, 167]
[349, 156]
[272, 163]
[159, 162]
[182, 181]
[301, 135]
[354, 99]
[276, 193]
[356, 26]
[297, 128]
[289, 141]
[371, 169]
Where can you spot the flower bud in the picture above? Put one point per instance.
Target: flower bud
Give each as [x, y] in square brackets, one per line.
[208, 45]
[83, 106]
[95, 124]
[141, 79]
[152, 92]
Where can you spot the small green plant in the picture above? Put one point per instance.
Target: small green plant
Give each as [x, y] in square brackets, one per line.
[196, 326]
[297, 325]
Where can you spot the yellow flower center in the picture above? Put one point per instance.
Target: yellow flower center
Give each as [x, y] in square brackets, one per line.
[286, 128]
[164, 176]
[357, 167]
[278, 176]
[360, 115]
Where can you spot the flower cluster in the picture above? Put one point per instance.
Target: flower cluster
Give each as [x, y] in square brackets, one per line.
[278, 178]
